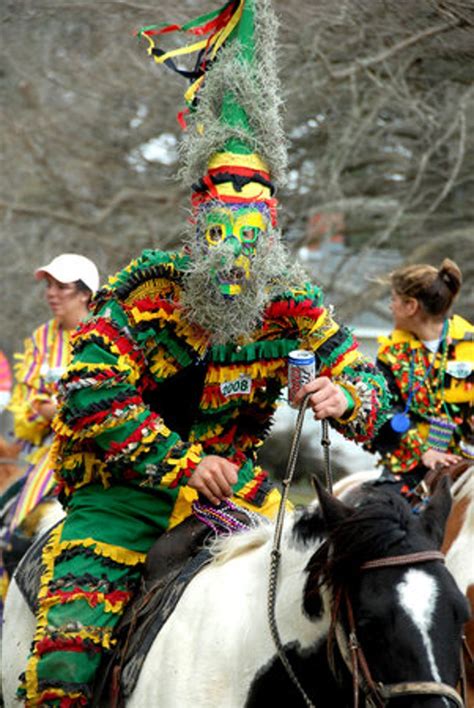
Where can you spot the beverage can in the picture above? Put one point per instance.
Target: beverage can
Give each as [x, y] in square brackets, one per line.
[301, 370]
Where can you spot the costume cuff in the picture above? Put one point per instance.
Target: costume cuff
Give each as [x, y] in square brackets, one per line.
[353, 402]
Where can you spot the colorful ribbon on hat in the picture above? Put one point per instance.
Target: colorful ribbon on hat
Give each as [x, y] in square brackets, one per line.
[218, 25]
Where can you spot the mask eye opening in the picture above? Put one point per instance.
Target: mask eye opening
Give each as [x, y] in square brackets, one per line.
[215, 234]
[249, 234]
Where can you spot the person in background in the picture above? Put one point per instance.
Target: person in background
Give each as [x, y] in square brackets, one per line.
[5, 381]
[176, 375]
[70, 282]
[428, 361]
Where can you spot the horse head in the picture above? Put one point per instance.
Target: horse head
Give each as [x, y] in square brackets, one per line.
[396, 612]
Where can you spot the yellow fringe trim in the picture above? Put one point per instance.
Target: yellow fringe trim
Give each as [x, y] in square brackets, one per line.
[192, 335]
[163, 287]
[131, 369]
[247, 488]
[319, 333]
[4, 583]
[346, 360]
[355, 397]
[59, 692]
[109, 607]
[107, 550]
[150, 315]
[114, 279]
[257, 369]
[107, 425]
[269, 507]
[194, 454]
[105, 639]
[215, 431]
[48, 556]
[161, 366]
[252, 191]
[223, 159]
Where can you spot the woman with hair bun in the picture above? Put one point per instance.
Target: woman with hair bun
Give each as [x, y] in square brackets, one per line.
[428, 360]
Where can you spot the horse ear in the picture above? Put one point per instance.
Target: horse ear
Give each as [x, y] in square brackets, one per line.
[334, 511]
[436, 513]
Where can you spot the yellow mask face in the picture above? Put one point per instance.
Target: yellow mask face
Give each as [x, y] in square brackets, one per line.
[242, 227]
[245, 226]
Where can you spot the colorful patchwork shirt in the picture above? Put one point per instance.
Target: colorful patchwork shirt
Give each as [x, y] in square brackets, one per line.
[446, 394]
[147, 397]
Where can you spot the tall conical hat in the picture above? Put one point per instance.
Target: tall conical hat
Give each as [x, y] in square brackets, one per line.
[234, 148]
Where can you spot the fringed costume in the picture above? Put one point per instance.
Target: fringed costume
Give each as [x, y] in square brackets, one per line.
[441, 390]
[170, 369]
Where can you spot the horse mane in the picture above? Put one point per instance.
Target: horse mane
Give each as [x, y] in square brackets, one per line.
[381, 525]
[223, 548]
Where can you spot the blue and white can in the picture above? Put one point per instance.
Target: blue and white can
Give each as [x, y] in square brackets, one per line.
[301, 370]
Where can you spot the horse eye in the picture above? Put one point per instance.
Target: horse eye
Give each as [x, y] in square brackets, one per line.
[366, 622]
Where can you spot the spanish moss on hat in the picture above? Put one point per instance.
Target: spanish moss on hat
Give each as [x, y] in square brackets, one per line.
[234, 149]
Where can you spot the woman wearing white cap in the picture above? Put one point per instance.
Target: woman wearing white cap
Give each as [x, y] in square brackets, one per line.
[71, 281]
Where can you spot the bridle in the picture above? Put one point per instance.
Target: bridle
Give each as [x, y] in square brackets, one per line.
[378, 694]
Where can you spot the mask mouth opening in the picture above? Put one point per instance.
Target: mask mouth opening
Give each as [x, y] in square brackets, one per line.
[233, 275]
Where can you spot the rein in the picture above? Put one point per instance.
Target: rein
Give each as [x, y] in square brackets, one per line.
[376, 694]
[276, 553]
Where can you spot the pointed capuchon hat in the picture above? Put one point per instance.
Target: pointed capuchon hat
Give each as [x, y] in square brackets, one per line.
[233, 150]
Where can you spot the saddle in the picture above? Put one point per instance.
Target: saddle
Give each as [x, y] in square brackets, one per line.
[172, 562]
[433, 477]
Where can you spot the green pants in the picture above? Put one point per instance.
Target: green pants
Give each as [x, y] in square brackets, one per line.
[91, 568]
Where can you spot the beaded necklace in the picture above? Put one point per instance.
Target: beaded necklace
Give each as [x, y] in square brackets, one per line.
[401, 422]
[441, 428]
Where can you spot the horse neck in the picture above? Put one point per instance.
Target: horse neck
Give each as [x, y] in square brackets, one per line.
[461, 518]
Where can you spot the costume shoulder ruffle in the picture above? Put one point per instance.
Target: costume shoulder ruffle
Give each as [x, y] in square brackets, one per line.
[146, 275]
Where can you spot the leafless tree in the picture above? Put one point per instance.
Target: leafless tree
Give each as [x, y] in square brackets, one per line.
[379, 115]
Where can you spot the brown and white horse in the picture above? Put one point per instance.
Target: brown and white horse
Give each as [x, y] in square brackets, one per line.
[458, 545]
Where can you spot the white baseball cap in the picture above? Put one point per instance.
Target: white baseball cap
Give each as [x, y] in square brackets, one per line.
[70, 267]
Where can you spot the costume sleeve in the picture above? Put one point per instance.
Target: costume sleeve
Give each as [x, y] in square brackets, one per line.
[397, 449]
[30, 389]
[339, 358]
[104, 426]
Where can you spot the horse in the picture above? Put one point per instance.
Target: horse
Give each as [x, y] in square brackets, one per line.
[335, 604]
[457, 545]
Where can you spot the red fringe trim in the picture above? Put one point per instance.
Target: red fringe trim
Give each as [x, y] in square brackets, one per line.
[148, 303]
[93, 598]
[244, 171]
[136, 436]
[288, 308]
[47, 645]
[258, 480]
[123, 344]
[199, 198]
[97, 418]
